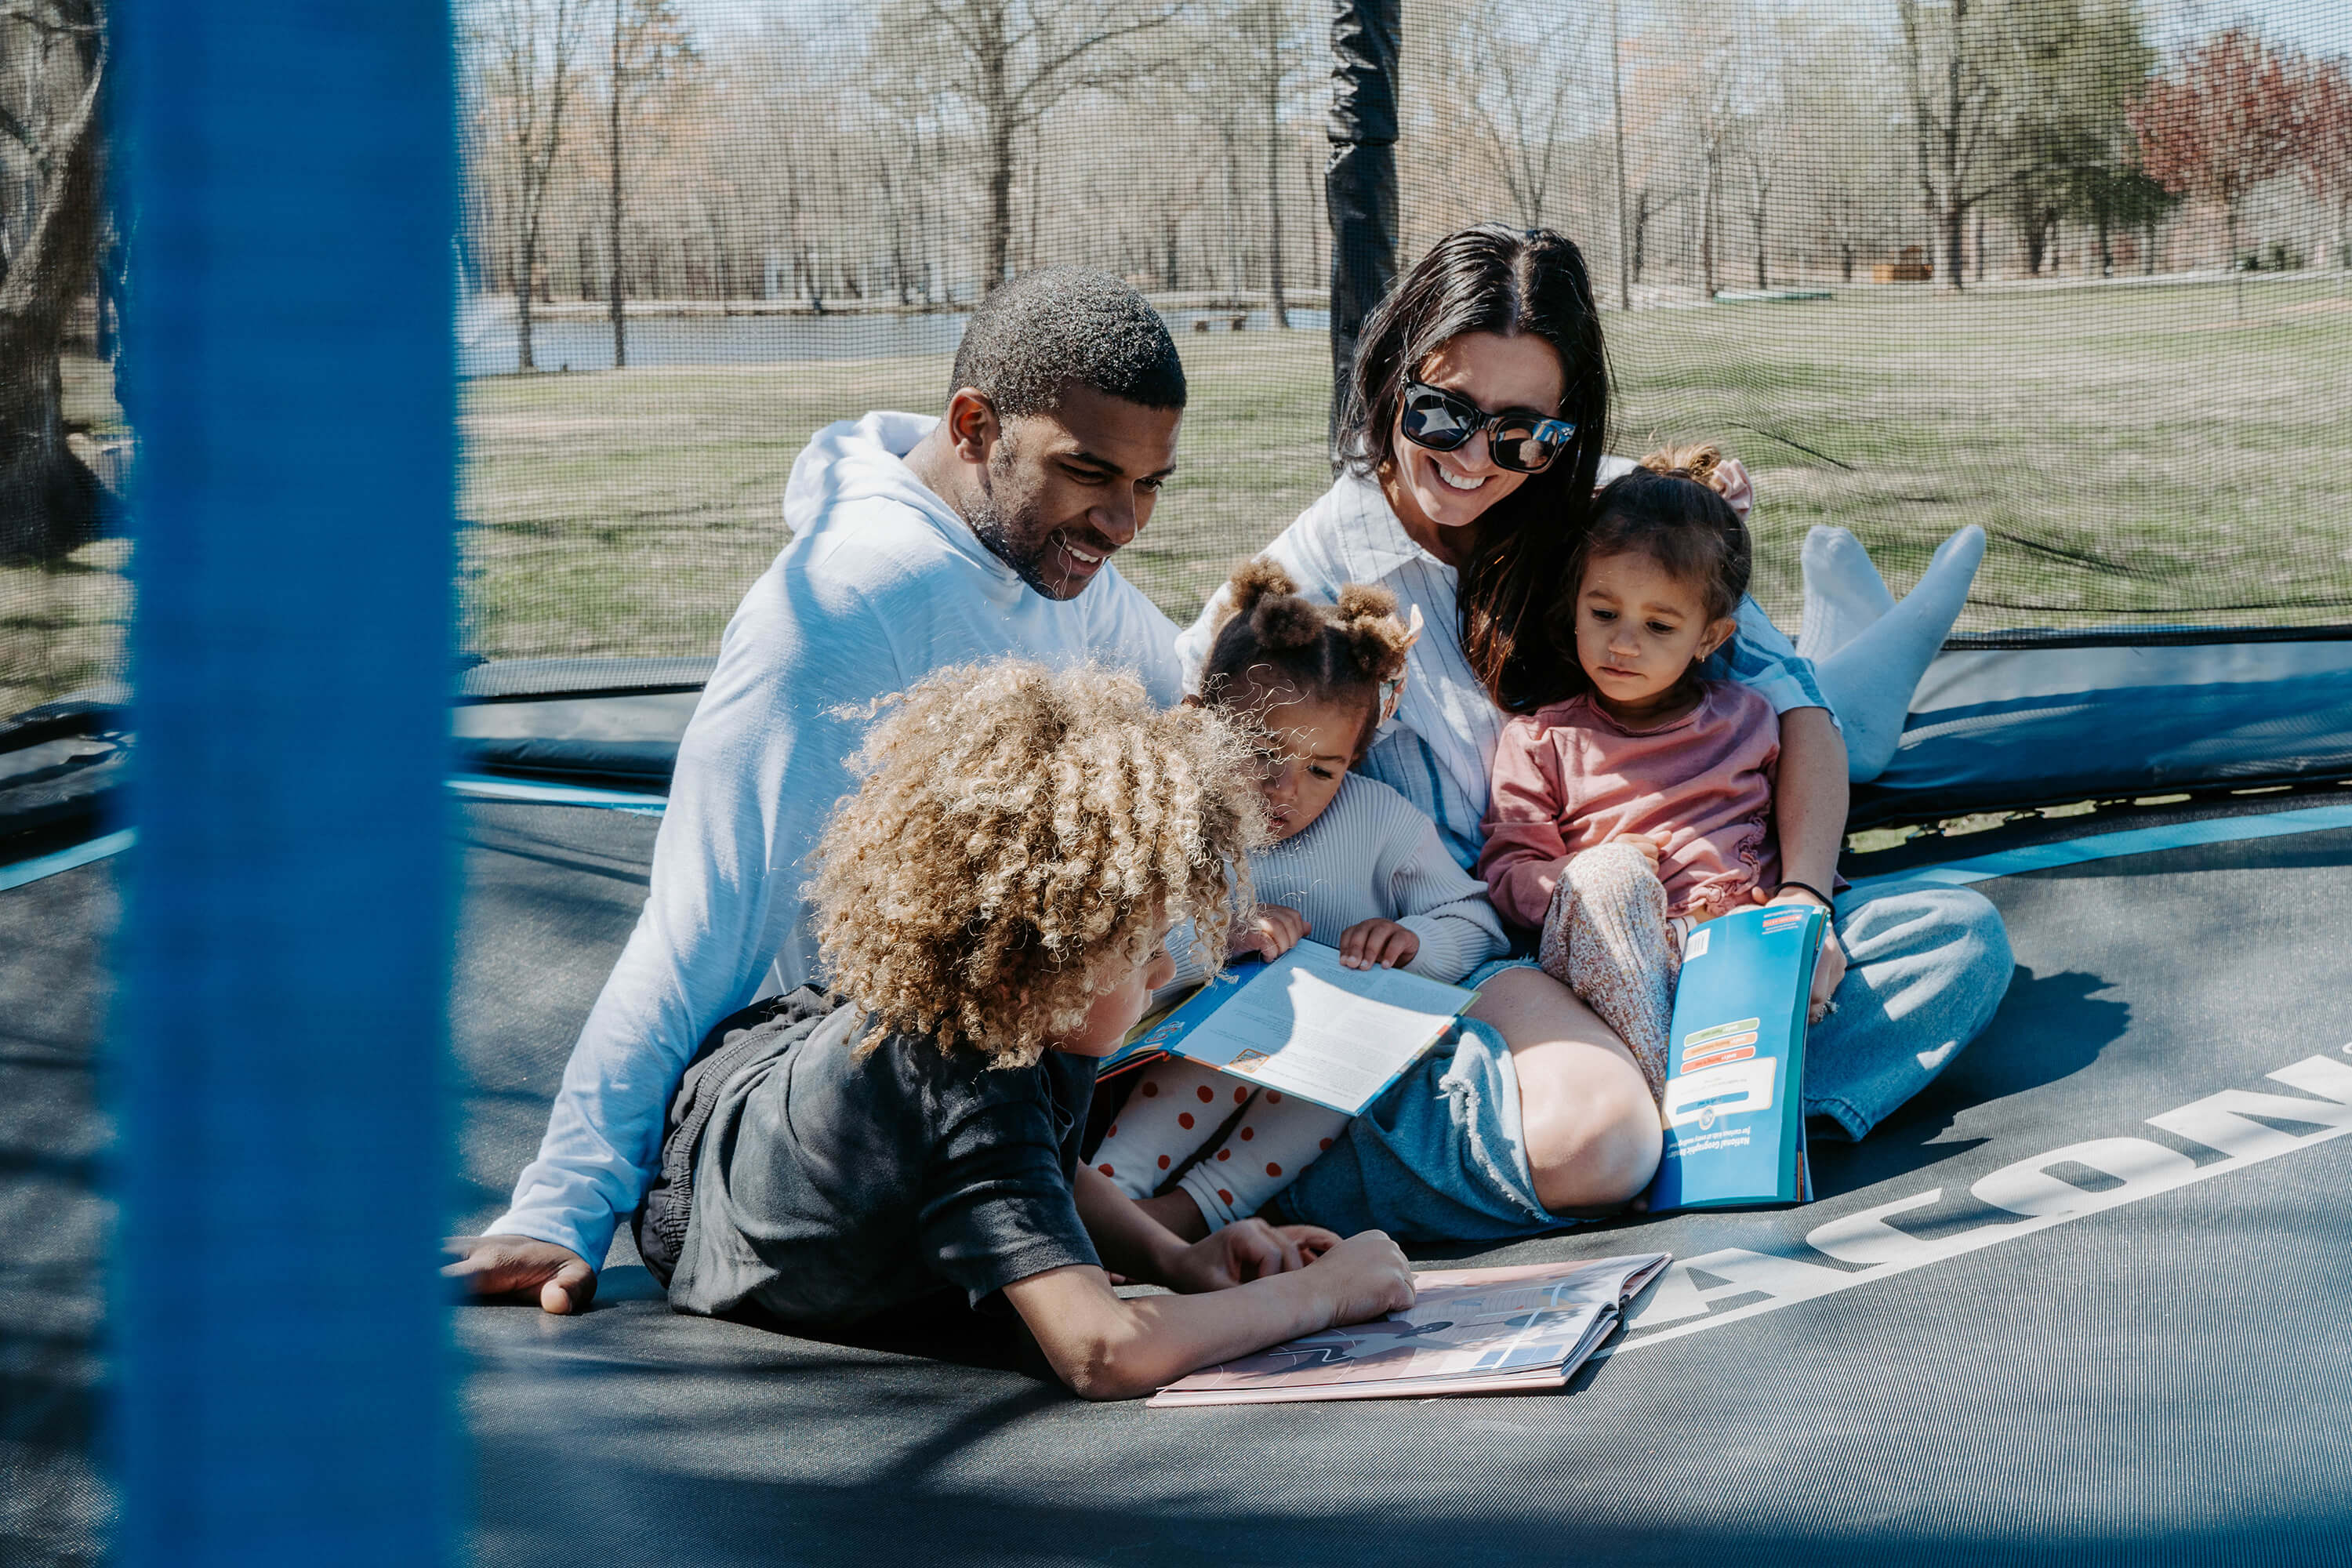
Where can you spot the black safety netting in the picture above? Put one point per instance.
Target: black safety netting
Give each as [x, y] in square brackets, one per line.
[2077, 270]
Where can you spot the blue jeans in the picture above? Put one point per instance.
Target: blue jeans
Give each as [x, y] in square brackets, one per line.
[1440, 1157]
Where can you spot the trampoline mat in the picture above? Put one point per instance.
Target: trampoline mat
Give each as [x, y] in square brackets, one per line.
[2160, 1362]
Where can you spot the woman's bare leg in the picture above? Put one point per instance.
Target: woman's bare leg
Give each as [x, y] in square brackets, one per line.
[1592, 1128]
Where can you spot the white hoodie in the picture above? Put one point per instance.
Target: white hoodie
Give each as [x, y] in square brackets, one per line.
[882, 583]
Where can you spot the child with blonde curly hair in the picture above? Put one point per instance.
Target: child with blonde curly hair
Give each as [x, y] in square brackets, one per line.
[1350, 858]
[993, 905]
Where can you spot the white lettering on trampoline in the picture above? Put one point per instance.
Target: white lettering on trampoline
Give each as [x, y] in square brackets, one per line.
[1698, 1293]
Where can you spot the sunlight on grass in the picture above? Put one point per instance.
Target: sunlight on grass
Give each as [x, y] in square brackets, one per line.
[2142, 455]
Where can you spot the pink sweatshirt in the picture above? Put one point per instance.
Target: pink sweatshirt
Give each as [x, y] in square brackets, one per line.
[1569, 778]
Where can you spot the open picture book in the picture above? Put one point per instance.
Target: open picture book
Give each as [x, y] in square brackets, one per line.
[1734, 1106]
[1305, 1025]
[1471, 1331]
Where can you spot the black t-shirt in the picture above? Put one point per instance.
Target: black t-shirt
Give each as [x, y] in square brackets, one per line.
[830, 1186]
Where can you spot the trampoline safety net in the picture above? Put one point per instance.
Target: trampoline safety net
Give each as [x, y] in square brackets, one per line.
[2077, 270]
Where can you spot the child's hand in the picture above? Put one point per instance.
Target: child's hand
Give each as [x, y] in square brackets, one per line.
[505, 1268]
[1647, 845]
[1365, 1277]
[1244, 1250]
[1369, 942]
[1268, 934]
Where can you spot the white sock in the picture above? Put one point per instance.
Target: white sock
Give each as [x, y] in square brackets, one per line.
[1279, 1136]
[1175, 1110]
[1870, 680]
[1843, 593]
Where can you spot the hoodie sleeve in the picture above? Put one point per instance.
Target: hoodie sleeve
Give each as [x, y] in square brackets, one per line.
[759, 768]
[1525, 849]
[1440, 903]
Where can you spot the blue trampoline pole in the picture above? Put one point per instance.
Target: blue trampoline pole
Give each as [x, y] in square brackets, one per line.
[283, 1372]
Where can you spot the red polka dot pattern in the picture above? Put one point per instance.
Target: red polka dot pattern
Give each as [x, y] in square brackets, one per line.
[1327, 1144]
[1224, 1196]
[1150, 1090]
[1248, 1133]
[1240, 1095]
[1272, 1168]
[1225, 1154]
[1163, 1161]
[1114, 1131]
[1207, 1094]
[1273, 1097]
[1184, 1120]
[1105, 1169]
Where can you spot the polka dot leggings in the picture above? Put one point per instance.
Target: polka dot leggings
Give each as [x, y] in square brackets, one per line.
[1180, 1106]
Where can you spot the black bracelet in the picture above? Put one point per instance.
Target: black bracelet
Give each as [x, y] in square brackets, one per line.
[1827, 903]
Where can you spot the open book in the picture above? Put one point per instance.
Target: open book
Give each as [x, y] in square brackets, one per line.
[1734, 1107]
[1304, 1025]
[1472, 1330]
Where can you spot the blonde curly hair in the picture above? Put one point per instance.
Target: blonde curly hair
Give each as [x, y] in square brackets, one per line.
[1018, 838]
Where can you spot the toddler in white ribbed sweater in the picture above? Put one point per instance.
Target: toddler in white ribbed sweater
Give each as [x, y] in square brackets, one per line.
[1353, 863]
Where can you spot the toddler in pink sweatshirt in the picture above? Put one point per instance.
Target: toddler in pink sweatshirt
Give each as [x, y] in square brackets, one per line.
[1642, 804]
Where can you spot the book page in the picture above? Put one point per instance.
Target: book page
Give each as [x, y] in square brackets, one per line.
[1471, 1329]
[1309, 1026]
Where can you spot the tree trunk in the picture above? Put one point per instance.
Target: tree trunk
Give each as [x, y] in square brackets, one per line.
[522, 302]
[1952, 224]
[50, 503]
[613, 282]
[1274, 195]
[1707, 232]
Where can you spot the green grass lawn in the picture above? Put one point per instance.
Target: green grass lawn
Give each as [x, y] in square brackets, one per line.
[2142, 455]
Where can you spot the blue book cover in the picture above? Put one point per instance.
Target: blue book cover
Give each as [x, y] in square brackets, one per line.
[1734, 1111]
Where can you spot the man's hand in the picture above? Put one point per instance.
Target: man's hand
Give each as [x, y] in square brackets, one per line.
[516, 1268]
[1244, 1250]
[1368, 943]
[1269, 933]
[1828, 969]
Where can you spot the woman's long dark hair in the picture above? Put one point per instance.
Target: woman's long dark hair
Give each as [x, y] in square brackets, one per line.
[1490, 278]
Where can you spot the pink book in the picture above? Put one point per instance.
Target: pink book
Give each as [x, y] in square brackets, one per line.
[1471, 1331]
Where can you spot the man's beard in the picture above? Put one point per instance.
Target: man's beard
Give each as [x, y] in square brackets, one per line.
[1014, 542]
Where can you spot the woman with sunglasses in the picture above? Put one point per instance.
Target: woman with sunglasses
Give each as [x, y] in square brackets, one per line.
[1471, 446]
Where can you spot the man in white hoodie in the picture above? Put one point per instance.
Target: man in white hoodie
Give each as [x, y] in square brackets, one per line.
[917, 543]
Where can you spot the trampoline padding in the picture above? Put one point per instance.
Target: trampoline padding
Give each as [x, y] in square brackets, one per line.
[2014, 727]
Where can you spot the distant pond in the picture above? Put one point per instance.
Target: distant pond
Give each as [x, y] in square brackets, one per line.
[487, 345]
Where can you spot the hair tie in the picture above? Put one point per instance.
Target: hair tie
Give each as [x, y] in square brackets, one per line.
[1731, 483]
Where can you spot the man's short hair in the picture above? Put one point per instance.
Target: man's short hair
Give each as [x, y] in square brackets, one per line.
[1039, 334]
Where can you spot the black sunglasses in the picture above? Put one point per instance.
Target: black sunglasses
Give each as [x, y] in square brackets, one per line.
[1524, 443]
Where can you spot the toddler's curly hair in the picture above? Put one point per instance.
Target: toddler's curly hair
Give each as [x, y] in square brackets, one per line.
[1017, 837]
[1272, 638]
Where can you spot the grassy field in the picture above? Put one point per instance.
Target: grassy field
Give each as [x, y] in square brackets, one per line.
[2141, 454]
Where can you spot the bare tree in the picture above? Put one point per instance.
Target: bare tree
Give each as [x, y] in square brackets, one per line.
[527, 56]
[1523, 94]
[1271, 55]
[1952, 76]
[49, 501]
[1013, 62]
[649, 43]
